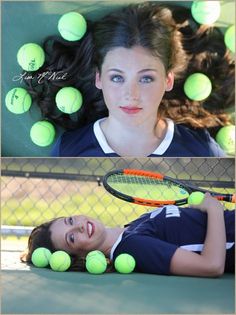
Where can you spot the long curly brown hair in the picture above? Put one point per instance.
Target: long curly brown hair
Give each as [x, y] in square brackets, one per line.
[167, 31]
[41, 237]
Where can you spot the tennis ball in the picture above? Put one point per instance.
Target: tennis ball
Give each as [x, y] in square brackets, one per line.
[72, 26]
[125, 263]
[18, 100]
[225, 137]
[96, 262]
[196, 198]
[31, 57]
[69, 100]
[42, 133]
[229, 38]
[40, 257]
[94, 253]
[197, 86]
[205, 12]
[60, 261]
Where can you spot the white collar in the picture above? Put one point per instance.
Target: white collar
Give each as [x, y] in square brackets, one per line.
[161, 149]
[115, 245]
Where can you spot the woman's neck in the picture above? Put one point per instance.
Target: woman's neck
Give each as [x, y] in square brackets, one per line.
[111, 237]
[136, 140]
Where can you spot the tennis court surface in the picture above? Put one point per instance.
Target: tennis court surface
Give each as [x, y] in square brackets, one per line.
[33, 290]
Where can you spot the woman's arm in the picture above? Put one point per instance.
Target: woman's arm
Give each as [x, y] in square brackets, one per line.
[211, 261]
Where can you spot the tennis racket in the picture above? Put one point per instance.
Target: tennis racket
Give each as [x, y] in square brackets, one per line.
[152, 189]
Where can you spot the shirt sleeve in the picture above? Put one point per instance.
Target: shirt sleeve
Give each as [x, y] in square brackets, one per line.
[56, 149]
[151, 254]
[214, 146]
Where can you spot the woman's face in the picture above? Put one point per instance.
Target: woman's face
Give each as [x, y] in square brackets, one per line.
[77, 234]
[133, 83]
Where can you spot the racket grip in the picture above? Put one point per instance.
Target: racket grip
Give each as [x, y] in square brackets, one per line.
[228, 198]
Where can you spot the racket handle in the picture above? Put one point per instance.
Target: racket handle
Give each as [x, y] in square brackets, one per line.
[228, 198]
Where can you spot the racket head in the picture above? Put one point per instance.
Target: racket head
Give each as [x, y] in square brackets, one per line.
[145, 188]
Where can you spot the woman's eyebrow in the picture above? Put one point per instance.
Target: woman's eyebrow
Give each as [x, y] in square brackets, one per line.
[141, 71]
[145, 70]
[117, 70]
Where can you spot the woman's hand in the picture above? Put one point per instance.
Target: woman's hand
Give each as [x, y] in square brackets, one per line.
[209, 203]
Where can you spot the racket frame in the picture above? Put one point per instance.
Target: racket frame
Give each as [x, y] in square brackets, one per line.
[159, 176]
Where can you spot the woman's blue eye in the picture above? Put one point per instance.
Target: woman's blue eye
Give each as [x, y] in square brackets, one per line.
[71, 238]
[146, 79]
[117, 78]
[70, 219]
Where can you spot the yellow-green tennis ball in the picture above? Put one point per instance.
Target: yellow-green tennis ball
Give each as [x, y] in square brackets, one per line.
[42, 133]
[96, 262]
[196, 198]
[229, 38]
[225, 137]
[72, 26]
[197, 86]
[60, 261]
[205, 12]
[69, 100]
[31, 57]
[125, 263]
[18, 100]
[40, 257]
[95, 253]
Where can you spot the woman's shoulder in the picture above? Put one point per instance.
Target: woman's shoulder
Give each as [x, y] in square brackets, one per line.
[194, 142]
[70, 142]
[81, 142]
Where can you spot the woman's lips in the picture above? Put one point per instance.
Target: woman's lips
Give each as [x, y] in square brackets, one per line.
[90, 229]
[130, 109]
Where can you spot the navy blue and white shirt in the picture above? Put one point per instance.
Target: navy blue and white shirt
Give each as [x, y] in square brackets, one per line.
[154, 237]
[179, 141]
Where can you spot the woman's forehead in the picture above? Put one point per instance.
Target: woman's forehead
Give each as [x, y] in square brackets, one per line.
[136, 55]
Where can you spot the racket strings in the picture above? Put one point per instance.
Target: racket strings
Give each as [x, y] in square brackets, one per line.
[146, 187]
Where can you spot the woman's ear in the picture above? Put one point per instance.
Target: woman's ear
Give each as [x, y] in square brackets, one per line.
[98, 82]
[170, 81]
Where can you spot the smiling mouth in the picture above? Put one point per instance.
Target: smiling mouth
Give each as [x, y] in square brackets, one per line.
[90, 229]
[130, 109]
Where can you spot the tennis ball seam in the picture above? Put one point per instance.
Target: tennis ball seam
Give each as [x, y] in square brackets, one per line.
[208, 14]
[201, 93]
[50, 134]
[69, 100]
[76, 98]
[56, 264]
[16, 106]
[26, 94]
[60, 266]
[76, 22]
[62, 30]
[38, 56]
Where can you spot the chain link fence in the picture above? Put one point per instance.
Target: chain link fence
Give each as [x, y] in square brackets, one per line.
[35, 190]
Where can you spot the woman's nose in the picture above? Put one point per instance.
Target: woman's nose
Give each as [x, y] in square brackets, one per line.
[78, 228]
[81, 228]
[132, 91]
